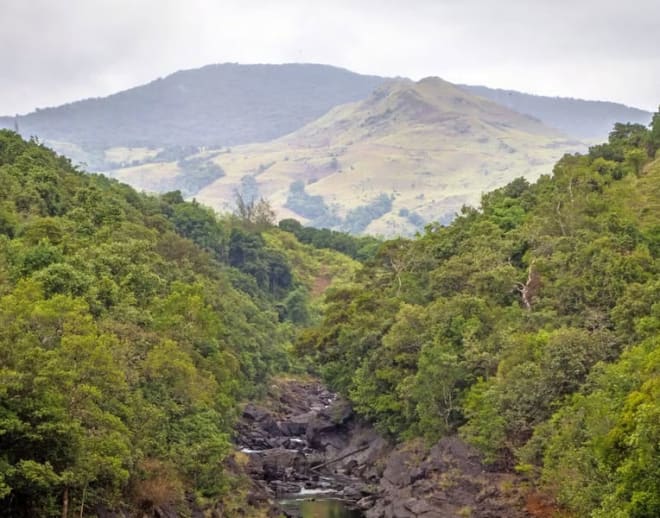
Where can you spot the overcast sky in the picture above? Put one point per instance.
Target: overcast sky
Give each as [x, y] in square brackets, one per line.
[55, 51]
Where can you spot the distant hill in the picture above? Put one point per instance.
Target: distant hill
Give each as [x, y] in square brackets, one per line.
[592, 120]
[226, 105]
[409, 154]
[217, 105]
[328, 146]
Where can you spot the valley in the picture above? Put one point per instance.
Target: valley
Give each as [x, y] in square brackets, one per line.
[169, 348]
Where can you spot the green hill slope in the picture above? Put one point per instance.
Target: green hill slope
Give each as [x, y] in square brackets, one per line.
[217, 105]
[530, 327]
[130, 328]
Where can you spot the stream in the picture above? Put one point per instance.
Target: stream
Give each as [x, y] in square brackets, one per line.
[308, 456]
[290, 447]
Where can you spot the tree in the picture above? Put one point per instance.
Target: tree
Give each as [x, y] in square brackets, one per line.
[255, 214]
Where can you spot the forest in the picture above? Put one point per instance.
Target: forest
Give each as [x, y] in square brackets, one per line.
[132, 327]
[530, 327]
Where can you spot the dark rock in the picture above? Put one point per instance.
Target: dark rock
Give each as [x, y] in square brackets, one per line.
[339, 411]
[397, 472]
[312, 440]
[254, 413]
[263, 423]
[285, 488]
[351, 466]
[278, 463]
[296, 425]
[168, 511]
[420, 507]
[351, 493]
[367, 502]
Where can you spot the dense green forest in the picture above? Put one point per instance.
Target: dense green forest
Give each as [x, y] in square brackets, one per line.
[130, 328]
[531, 327]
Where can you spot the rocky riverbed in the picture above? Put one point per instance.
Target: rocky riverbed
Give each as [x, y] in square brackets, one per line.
[291, 445]
[305, 442]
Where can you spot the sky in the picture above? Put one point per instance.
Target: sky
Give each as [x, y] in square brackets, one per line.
[57, 51]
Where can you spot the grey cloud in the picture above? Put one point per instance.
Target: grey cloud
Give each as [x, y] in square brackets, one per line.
[57, 51]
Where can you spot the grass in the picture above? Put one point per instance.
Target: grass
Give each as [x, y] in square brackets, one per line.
[149, 177]
[117, 155]
[430, 145]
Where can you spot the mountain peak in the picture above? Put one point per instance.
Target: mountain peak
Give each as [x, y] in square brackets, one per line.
[411, 152]
[431, 100]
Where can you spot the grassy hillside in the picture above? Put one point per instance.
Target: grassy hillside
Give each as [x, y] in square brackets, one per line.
[589, 120]
[230, 104]
[409, 154]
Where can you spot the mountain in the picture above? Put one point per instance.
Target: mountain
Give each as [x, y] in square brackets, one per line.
[217, 105]
[409, 154]
[591, 120]
[229, 104]
[327, 146]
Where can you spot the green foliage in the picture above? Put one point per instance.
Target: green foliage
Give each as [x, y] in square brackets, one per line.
[601, 449]
[130, 327]
[316, 210]
[529, 327]
[654, 137]
[196, 173]
[358, 219]
[308, 206]
[360, 248]
[223, 104]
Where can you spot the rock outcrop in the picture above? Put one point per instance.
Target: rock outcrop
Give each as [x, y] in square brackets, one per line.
[307, 439]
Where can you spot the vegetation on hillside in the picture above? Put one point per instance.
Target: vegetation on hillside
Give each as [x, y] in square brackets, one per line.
[130, 327]
[530, 326]
[409, 154]
[361, 248]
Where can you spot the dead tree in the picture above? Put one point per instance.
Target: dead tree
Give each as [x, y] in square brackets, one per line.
[529, 289]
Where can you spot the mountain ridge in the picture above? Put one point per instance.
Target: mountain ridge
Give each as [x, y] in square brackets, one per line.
[582, 118]
[401, 153]
[413, 152]
[237, 104]
[256, 110]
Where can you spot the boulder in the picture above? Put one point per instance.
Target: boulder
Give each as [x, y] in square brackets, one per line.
[279, 463]
[296, 425]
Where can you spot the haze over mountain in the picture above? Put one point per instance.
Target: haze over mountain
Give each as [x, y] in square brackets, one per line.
[579, 118]
[408, 154]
